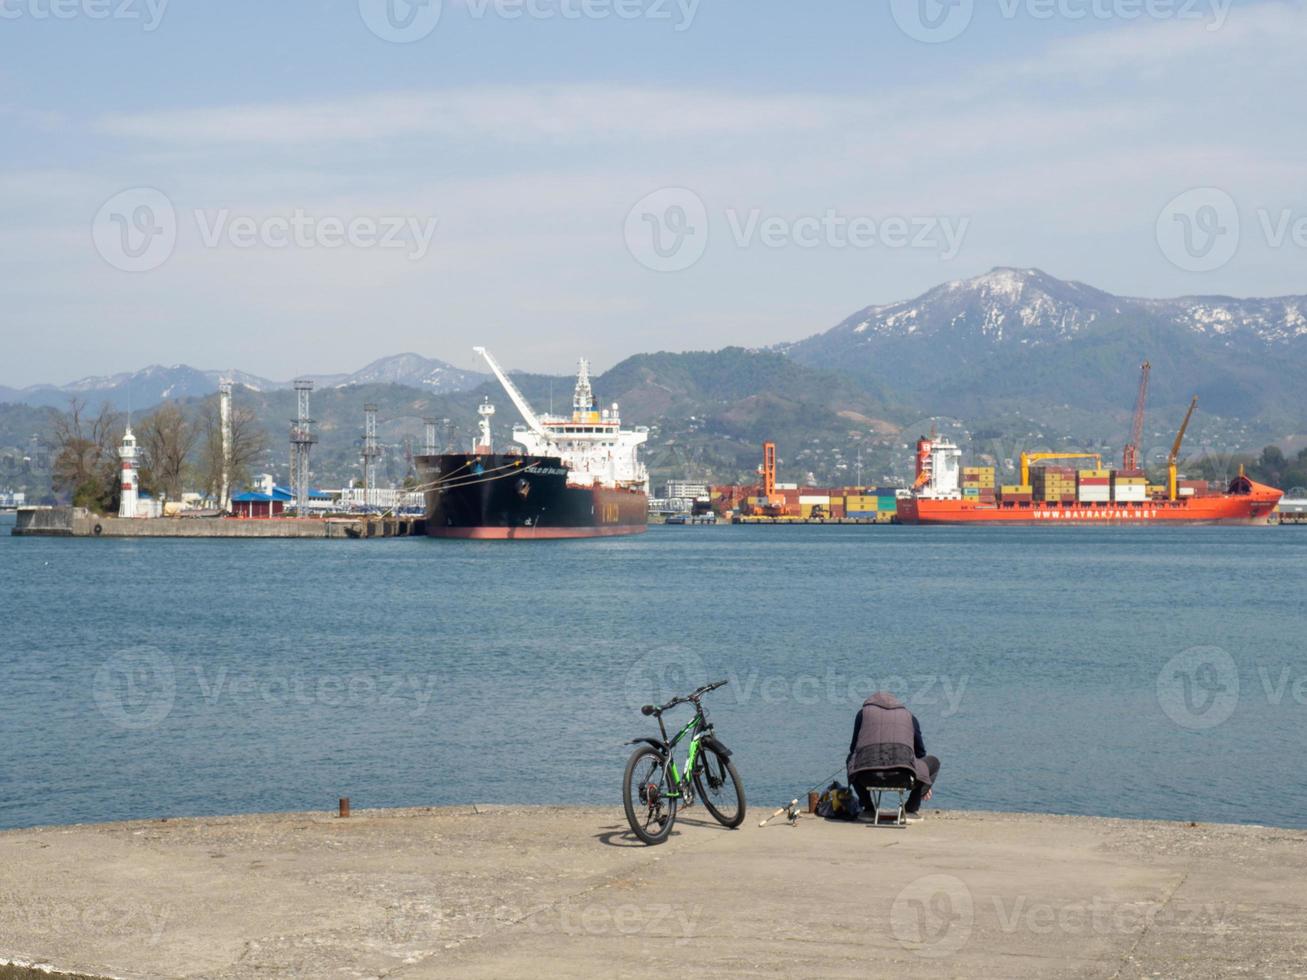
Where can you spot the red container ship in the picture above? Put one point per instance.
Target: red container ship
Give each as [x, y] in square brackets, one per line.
[944, 493]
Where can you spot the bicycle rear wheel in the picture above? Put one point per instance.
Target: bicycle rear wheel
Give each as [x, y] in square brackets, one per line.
[649, 810]
[718, 785]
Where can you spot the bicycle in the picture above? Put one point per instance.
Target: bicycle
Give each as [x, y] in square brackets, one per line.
[655, 788]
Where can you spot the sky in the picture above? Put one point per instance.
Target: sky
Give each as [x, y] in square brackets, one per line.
[290, 188]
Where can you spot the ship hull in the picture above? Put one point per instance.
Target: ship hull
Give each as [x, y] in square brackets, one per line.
[510, 498]
[1238, 509]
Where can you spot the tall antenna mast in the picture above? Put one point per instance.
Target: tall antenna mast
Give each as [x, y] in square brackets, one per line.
[371, 453]
[224, 429]
[301, 441]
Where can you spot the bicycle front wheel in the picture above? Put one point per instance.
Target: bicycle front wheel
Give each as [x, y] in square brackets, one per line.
[718, 785]
[649, 810]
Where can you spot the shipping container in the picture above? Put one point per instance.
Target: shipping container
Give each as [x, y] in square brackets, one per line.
[811, 499]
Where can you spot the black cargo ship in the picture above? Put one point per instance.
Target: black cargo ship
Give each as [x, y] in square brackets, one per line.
[508, 496]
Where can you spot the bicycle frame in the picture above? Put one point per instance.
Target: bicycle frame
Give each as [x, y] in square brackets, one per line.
[697, 727]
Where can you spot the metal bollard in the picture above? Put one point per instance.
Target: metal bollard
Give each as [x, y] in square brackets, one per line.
[344, 806]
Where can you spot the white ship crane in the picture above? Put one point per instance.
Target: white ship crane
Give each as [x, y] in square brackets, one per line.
[519, 400]
[590, 442]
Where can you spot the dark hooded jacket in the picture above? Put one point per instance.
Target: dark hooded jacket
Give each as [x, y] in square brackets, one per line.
[886, 735]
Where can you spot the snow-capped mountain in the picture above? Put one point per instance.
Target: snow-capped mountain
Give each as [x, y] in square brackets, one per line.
[1022, 335]
[1027, 306]
[416, 372]
[157, 383]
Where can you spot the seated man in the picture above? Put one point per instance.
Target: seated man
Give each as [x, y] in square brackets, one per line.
[886, 740]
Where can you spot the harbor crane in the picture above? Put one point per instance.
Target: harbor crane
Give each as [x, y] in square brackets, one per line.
[1130, 456]
[1171, 483]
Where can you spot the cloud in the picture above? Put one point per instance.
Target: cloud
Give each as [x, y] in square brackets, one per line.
[563, 114]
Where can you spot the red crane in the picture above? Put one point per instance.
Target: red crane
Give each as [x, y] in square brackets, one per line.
[1130, 457]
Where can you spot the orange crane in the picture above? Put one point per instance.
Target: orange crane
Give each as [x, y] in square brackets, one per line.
[1175, 450]
[769, 470]
[1130, 456]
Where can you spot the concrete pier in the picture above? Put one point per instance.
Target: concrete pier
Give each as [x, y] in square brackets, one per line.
[565, 892]
[76, 522]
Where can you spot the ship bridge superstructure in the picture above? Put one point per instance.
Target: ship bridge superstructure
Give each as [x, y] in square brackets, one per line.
[591, 441]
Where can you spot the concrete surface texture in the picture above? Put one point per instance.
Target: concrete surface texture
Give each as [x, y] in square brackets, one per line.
[566, 892]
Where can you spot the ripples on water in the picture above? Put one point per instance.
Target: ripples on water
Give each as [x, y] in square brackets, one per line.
[199, 677]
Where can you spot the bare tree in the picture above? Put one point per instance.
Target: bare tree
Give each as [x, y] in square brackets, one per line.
[167, 438]
[85, 466]
[248, 443]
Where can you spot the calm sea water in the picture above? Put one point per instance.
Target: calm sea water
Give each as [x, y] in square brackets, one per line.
[1141, 672]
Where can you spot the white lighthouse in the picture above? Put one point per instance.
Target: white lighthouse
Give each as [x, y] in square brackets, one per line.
[128, 505]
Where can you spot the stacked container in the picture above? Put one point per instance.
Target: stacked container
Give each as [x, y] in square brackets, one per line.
[1129, 489]
[1021, 492]
[860, 505]
[1094, 486]
[1054, 484]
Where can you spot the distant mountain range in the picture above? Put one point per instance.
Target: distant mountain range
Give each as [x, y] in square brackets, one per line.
[149, 386]
[1020, 338]
[1018, 358]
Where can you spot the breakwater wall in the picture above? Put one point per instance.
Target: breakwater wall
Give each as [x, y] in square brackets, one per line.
[77, 522]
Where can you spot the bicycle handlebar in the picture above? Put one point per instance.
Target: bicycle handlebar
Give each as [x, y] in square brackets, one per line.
[650, 709]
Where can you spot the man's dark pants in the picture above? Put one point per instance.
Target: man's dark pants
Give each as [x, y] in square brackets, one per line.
[871, 779]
